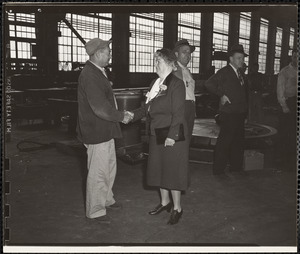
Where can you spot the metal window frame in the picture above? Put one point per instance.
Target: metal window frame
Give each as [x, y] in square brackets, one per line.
[224, 32]
[193, 65]
[135, 44]
[71, 36]
[15, 21]
[247, 18]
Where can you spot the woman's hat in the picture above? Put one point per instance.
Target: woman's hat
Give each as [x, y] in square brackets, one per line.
[167, 54]
[181, 43]
[237, 49]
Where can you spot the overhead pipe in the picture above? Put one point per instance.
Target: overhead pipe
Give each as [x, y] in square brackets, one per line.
[74, 30]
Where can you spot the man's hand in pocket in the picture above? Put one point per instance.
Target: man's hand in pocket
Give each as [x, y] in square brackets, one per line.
[225, 99]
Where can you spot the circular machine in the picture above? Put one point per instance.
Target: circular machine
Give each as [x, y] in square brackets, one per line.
[205, 133]
[131, 141]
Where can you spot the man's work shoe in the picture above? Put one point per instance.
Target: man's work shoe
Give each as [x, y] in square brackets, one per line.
[115, 206]
[102, 219]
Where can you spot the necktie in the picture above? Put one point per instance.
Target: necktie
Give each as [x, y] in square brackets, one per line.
[240, 77]
[104, 72]
[187, 76]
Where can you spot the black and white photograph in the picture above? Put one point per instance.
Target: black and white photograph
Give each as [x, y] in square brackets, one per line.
[149, 126]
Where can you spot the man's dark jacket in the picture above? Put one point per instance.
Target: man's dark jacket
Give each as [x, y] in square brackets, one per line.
[226, 82]
[98, 118]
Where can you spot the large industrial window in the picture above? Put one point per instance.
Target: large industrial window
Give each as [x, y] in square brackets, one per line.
[22, 39]
[189, 25]
[263, 40]
[244, 39]
[278, 50]
[291, 41]
[70, 48]
[220, 37]
[146, 36]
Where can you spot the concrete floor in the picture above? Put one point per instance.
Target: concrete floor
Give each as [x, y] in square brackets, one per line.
[47, 203]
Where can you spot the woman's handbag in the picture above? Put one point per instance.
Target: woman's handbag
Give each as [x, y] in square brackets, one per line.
[162, 133]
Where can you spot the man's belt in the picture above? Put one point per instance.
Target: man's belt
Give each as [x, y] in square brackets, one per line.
[190, 101]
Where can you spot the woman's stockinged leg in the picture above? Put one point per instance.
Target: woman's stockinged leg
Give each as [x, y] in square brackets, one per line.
[176, 195]
[165, 198]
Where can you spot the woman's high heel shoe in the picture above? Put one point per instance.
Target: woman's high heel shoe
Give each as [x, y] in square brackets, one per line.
[175, 216]
[161, 208]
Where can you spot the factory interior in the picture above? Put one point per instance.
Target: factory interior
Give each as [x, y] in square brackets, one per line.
[45, 166]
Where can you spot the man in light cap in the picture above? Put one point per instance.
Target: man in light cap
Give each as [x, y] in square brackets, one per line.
[97, 127]
[183, 51]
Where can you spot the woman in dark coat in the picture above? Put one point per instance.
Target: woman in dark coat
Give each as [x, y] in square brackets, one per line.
[168, 158]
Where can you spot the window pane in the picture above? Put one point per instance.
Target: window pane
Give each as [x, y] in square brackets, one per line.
[263, 40]
[244, 34]
[146, 36]
[159, 16]
[192, 20]
[13, 49]
[279, 36]
[220, 42]
[220, 37]
[189, 25]
[221, 22]
[277, 51]
[276, 65]
[71, 49]
[245, 25]
[218, 64]
[291, 41]
[29, 18]
[262, 63]
[263, 36]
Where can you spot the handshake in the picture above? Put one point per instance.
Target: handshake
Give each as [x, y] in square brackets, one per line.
[128, 116]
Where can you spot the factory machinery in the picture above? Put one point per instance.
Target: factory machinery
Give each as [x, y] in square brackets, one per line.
[58, 106]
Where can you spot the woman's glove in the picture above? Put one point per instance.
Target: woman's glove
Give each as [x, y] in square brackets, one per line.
[169, 142]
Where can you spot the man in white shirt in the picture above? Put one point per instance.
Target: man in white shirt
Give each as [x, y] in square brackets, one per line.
[183, 51]
[287, 98]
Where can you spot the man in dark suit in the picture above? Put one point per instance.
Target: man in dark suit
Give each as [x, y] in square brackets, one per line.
[183, 51]
[229, 84]
[98, 126]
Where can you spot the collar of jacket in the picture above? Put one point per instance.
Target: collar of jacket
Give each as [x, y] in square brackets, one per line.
[89, 63]
[167, 80]
[233, 72]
